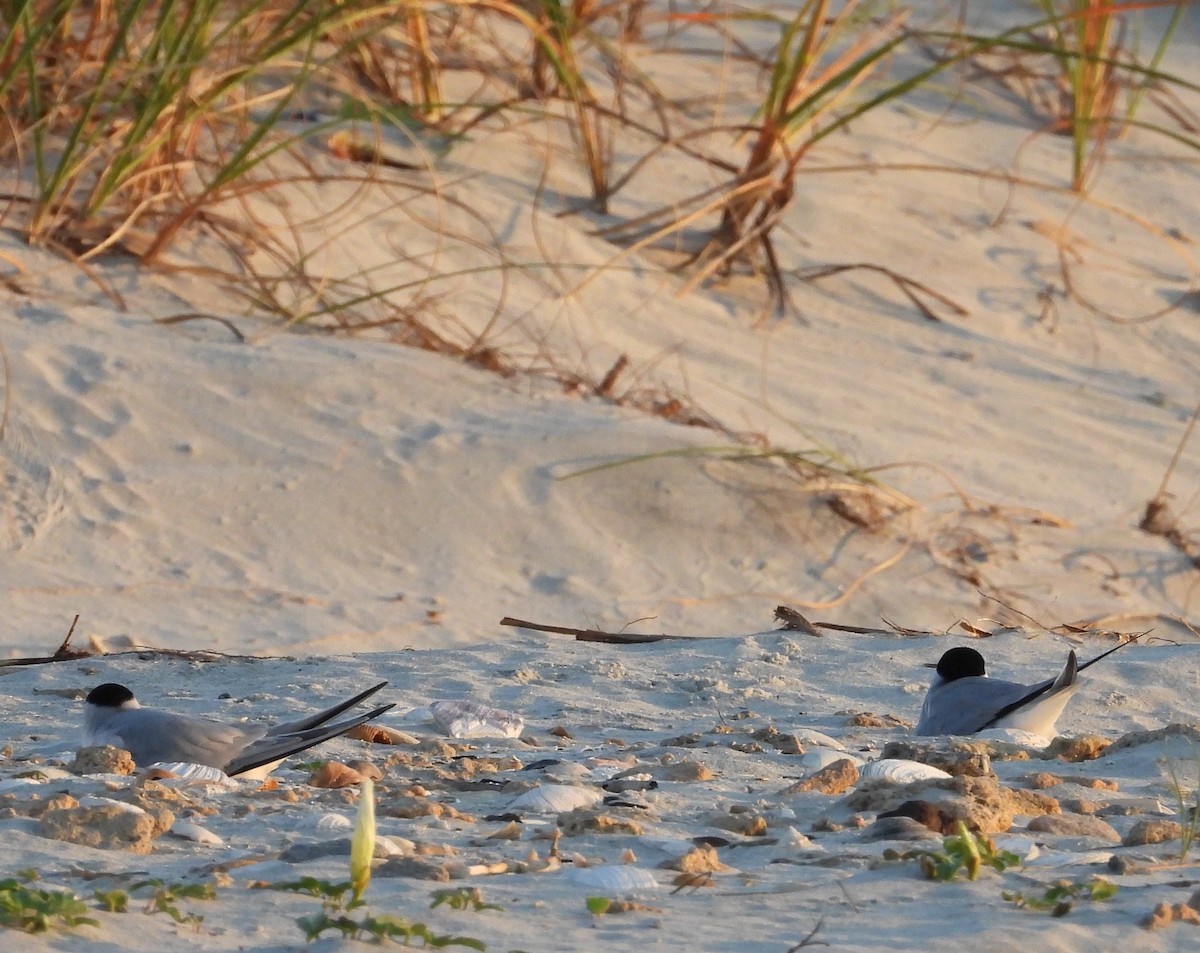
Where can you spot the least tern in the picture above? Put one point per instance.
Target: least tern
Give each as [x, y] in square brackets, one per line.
[963, 700]
[112, 716]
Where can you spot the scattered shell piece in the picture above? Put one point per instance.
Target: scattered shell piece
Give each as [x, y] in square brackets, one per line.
[1152, 832]
[368, 769]
[510, 831]
[700, 859]
[194, 832]
[408, 806]
[836, 778]
[1164, 914]
[613, 878]
[461, 718]
[900, 771]
[1074, 825]
[746, 824]
[381, 735]
[954, 756]
[684, 771]
[1083, 748]
[334, 774]
[573, 823]
[106, 825]
[556, 799]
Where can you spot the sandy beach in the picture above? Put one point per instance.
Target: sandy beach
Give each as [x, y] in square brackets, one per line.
[418, 398]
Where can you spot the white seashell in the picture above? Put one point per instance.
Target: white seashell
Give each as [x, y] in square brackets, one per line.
[556, 798]
[568, 771]
[389, 846]
[816, 758]
[194, 832]
[795, 838]
[187, 773]
[333, 822]
[460, 718]
[810, 736]
[91, 800]
[899, 771]
[611, 878]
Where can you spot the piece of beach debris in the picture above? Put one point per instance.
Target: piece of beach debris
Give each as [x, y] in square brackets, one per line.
[413, 868]
[868, 719]
[836, 778]
[985, 805]
[334, 774]
[513, 830]
[929, 815]
[1164, 915]
[1133, 739]
[1152, 831]
[408, 806]
[700, 859]
[784, 743]
[105, 759]
[745, 822]
[685, 770]
[584, 821]
[1083, 748]
[462, 718]
[106, 824]
[1074, 825]
[955, 757]
[556, 799]
[1040, 780]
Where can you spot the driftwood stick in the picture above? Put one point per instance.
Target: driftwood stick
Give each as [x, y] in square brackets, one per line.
[64, 653]
[595, 635]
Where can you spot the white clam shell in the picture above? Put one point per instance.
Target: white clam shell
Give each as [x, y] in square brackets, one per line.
[187, 773]
[569, 771]
[556, 798]
[91, 800]
[194, 832]
[900, 771]
[333, 822]
[816, 758]
[810, 736]
[460, 718]
[613, 879]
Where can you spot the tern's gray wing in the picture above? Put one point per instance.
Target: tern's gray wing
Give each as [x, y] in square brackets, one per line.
[312, 721]
[150, 735]
[276, 747]
[966, 705]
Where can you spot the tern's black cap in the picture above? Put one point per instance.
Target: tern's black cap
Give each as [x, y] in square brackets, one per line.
[962, 662]
[109, 695]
